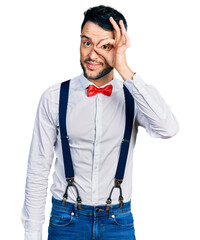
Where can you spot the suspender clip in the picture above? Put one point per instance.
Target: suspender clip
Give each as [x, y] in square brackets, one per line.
[121, 204]
[70, 181]
[65, 196]
[108, 202]
[117, 185]
[118, 182]
[79, 203]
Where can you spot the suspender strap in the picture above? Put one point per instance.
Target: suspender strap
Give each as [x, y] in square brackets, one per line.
[64, 93]
[129, 102]
[69, 170]
[127, 134]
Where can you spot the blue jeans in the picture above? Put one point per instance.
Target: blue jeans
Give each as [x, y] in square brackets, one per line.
[91, 222]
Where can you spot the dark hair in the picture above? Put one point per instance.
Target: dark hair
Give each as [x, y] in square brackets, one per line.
[100, 15]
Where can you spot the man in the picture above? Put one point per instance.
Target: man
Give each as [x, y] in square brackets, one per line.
[95, 123]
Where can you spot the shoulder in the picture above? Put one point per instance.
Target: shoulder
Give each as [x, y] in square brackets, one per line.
[49, 100]
[51, 92]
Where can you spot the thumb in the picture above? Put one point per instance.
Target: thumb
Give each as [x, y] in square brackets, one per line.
[100, 51]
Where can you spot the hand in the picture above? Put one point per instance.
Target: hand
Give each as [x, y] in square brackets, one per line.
[114, 50]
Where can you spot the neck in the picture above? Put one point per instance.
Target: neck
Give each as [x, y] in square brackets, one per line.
[104, 80]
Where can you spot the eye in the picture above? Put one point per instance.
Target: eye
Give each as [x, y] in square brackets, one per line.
[106, 47]
[86, 44]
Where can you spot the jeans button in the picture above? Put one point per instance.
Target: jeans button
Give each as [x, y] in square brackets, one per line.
[97, 210]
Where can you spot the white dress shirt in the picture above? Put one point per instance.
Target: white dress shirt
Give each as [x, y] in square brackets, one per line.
[95, 128]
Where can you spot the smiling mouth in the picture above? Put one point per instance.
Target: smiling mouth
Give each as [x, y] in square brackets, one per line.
[92, 66]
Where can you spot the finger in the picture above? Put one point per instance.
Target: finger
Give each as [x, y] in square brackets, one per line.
[101, 52]
[106, 42]
[116, 27]
[123, 29]
[127, 40]
[124, 32]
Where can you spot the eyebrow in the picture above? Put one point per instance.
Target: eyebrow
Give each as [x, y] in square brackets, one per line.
[84, 36]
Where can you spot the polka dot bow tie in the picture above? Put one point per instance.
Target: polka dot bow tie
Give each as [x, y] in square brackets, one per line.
[92, 90]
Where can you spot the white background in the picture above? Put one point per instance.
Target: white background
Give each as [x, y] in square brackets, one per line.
[40, 47]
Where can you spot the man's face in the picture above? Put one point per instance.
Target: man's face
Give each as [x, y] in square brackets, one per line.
[94, 65]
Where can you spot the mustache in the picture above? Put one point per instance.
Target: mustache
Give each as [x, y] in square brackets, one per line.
[90, 60]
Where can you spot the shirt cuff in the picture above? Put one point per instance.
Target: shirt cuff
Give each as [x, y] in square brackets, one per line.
[32, 235]
[135, 84]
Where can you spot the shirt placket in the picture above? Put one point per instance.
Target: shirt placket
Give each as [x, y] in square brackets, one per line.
[96, 153]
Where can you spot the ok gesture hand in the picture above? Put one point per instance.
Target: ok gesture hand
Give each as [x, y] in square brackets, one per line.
[113, 50]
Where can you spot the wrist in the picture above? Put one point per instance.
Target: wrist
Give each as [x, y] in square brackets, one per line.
[125, 72]
[123, 68]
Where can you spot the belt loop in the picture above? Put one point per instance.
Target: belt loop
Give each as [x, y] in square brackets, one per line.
[75, 210]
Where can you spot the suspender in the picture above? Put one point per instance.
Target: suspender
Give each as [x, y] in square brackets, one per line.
[69, 171]
[124, 147]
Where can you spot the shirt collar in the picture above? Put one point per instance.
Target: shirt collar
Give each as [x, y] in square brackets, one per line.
[114, 82]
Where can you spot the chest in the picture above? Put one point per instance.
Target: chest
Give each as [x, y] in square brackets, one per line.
[97, 118]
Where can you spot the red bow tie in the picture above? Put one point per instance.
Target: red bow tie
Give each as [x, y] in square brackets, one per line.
[92, 90]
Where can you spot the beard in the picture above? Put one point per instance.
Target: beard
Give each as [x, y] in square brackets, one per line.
[101, 74]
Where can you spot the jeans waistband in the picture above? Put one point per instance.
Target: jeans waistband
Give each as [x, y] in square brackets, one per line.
[93, 210]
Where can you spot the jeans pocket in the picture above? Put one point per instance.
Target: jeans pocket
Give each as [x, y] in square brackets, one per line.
[59, 218]
[123, 220]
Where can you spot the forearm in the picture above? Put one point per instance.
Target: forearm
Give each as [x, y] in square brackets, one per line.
[124, 70]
